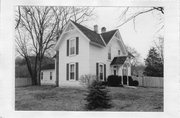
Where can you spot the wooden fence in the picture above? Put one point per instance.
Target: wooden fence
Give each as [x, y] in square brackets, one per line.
[22, 82]
[149, 81]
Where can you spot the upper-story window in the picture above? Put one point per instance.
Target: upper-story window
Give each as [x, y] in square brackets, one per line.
[72, 46]
[109, 53]
[119, 52]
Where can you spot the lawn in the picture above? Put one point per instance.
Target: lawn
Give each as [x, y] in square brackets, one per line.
[72, 99]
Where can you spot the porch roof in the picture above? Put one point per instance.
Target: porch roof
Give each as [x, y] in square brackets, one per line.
[118, 60]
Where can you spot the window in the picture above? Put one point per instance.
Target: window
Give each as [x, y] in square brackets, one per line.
[125, 70]
[50, 75]
[119, 52]
[72, 46]
[109, 53]
[41, 75]
[101, 72]
[72, 71]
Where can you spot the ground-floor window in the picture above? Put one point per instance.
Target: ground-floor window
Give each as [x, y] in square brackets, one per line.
[50, 75]
[41, 75]
[72, 71]
[101, 72]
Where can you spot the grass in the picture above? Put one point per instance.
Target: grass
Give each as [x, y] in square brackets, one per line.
[72, 99]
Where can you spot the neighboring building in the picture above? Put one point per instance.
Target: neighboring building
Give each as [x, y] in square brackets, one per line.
[82, 51]
[48, 75]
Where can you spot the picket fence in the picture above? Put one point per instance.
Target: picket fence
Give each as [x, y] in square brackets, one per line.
[23, 82]
[149, 81]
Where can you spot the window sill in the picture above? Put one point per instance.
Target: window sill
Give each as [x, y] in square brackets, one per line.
[72, 80]
[72, 55]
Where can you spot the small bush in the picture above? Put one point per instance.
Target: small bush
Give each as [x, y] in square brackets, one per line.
[114, 80]
[130, 81]
[135, 83]
[97, 97]
[87, 80]
[125, 80]
[104, 83]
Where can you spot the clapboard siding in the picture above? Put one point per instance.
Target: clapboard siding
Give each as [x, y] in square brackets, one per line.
[46, 77]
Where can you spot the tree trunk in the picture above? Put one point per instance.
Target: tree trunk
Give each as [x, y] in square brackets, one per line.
[39, 73]
[33, 76]
[57, 68]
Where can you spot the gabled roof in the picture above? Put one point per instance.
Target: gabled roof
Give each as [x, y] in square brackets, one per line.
[108, 35]
[130, 55]
[96, 38]
[118, 60]
[92, 35]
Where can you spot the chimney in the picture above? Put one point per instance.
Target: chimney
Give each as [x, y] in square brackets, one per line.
[103, 30]
[96, 28]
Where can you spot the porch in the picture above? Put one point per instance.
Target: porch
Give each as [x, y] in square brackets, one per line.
[119, 67]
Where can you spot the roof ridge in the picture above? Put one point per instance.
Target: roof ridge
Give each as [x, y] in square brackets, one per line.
[93, 30]
[99, 38]
[109, 31]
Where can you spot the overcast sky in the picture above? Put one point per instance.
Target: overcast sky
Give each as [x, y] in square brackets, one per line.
[145, 24]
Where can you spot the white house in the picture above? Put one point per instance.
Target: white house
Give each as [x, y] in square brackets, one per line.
[81, 51]
[48, 75]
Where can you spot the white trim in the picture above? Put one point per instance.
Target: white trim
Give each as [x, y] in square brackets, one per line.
[80, 31]
[120, 39]
[103, 40]
[112, 37]
[63, 32]
[96, 44]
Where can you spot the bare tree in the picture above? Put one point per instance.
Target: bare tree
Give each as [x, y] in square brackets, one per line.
[159, 45]
[41, 27]
[129, 14]
[136, 59]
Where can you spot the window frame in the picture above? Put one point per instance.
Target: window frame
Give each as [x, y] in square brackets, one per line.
[70, 41]
[41, 75]
[74, 79]
[101, 65]
[109, 53]
[119, 52]
[50, 76]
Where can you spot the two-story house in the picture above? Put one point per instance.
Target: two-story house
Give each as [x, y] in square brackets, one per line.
[81, 51]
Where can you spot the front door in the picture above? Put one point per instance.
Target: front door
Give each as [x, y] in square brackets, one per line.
[115, 70]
